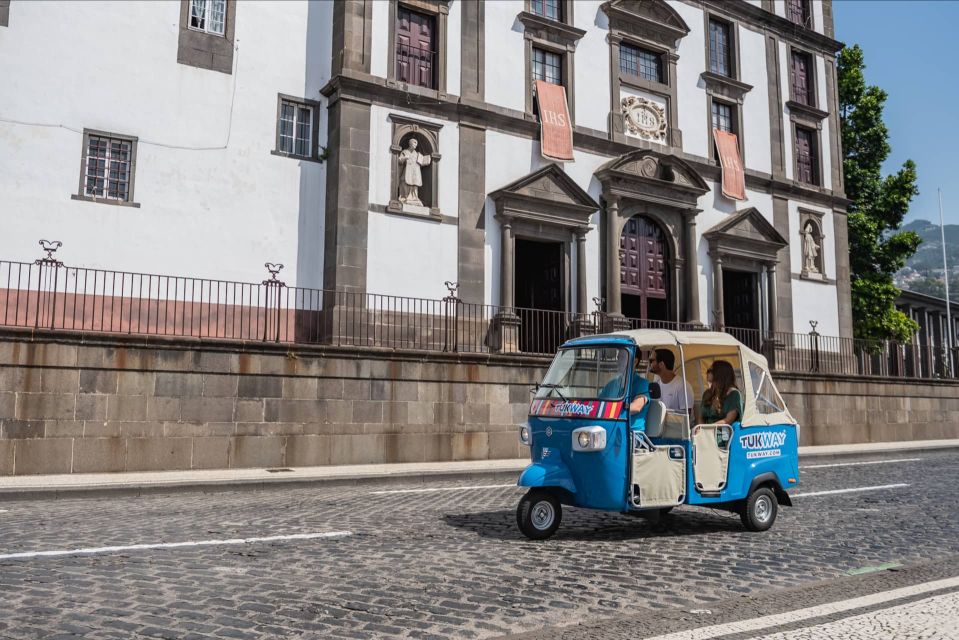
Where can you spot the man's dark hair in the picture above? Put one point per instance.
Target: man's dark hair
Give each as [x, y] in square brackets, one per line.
[666, 357]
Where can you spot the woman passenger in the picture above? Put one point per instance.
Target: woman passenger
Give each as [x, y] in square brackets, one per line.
[722, 401]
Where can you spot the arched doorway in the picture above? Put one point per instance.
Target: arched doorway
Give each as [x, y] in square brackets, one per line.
[644, 270]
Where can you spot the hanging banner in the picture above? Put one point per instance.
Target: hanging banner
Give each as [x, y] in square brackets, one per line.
[734, 179]
[556, 130]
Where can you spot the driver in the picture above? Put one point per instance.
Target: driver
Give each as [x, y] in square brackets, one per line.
[677, 395]
[638, 388]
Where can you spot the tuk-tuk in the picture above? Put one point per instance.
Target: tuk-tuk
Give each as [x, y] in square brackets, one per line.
[588, 450]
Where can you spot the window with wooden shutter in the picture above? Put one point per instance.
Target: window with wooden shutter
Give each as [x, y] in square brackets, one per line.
[802, 78]
[415, 56]
[806, 159]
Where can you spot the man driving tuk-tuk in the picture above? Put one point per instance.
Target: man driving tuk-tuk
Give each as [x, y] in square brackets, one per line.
[601, 436]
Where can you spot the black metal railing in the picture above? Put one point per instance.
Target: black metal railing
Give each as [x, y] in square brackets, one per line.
[46, 295]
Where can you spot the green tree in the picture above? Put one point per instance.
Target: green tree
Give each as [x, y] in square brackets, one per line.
[877, 246]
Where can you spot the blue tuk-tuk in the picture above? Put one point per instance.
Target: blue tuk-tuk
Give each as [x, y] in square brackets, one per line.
[588, 450]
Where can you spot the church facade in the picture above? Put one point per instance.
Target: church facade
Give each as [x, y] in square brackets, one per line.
[388, 147]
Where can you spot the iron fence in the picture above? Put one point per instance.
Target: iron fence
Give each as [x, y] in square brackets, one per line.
[49, 296]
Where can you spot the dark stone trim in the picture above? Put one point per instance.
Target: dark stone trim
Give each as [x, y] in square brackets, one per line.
[440, 11]
[828, 26]
[808, 116]
[206, 50]
[369, 89]
[653, 20]
[769, 5]
[840, 232]
[734, 60]
[315, 128]
[430, 217]
[775, 108]
[823, 280]
[4, 13]
[796, 121]
[784, 291]
[740, 133]
[835, 144]
[473, 50]
[760, 19]
[80, 195]
[540, 40]
[471, 234]
[551, 31]
[724, 87]
[352, 36]
[813, 78]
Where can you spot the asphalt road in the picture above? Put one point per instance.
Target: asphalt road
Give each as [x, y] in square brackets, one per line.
[441, 560]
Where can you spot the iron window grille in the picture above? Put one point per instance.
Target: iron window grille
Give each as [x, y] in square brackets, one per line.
[644, 63]
[108, 168]
[806, 156]
[295, 135]
[720, 50]
[722, 115]
[551, 9]
[208, 16]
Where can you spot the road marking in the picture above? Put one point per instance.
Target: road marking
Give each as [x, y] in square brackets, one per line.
[856, 464]
[853, 490]
[790, 617]
[485, 486]
[171, 545]
[4, 510]
[881, 567]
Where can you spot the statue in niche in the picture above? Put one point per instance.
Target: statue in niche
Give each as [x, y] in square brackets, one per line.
[411, 176]
[810, 250]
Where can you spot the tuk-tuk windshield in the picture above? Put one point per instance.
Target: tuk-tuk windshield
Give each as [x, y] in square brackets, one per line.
[586, 373]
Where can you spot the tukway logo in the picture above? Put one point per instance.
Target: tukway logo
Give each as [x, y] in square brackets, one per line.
[574, 409]
[763, 445]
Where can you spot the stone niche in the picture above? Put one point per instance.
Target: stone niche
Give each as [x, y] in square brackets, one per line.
[811, 238]
[426, 136]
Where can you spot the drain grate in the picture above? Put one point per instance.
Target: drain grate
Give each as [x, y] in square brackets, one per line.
[278, 470]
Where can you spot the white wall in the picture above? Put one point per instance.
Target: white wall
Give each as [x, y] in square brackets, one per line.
[824, 148]
[592, 66]
[505, 66]
[814, 300]
[380, 54]
[214, 213]
[787, 126]
[691, 90]
[756, 129]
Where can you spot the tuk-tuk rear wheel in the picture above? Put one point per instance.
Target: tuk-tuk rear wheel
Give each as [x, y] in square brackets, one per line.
[538, 514]
[760, 509]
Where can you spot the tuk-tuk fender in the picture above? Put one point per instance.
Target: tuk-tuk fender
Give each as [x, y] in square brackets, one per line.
[541, 475]
[775, 484]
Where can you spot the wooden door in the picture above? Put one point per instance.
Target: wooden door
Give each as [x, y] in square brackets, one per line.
[415, 34]
[801, 89]
[644, 266]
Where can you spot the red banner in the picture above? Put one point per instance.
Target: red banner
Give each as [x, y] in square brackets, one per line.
[734, 179]
[556, 131]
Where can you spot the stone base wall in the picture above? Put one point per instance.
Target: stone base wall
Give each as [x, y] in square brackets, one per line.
[82, 404]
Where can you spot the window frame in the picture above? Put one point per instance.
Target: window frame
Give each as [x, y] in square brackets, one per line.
[561, 5]
[439, 10]
[732, 45]
[807, 20]
[663, 78]
[737, 118]
[815, 153]
[81, 193]
[315, 108]
[566, 72]
[208, 9]
[811, 78]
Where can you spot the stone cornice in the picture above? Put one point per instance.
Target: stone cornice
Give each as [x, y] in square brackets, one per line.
[804, 111]
[540, 28]
[365, 88]
[725, 87]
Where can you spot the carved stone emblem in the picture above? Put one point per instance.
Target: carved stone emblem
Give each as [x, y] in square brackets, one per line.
[644, 118]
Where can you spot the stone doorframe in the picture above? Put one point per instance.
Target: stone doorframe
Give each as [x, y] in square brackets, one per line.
[749, 242]
[667, 190]
[544, 205]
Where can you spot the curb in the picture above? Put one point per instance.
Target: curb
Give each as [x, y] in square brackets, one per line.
[140, 488]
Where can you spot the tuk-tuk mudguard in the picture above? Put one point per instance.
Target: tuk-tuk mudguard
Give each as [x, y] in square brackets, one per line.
[541, 475]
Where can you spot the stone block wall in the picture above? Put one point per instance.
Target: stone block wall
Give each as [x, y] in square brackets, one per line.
[81, 405]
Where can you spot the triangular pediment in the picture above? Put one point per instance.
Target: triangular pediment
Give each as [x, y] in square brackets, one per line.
[646, 14]
[748, 224]
[550, 185]
[645, 164]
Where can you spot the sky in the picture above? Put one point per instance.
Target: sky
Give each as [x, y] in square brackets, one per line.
[912, 50]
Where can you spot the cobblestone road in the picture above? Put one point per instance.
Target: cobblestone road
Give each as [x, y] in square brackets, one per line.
[447, 564]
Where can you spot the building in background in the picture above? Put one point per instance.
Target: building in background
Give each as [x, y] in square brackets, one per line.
[390, 146]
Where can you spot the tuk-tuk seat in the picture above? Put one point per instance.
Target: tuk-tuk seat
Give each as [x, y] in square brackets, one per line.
[655, 418]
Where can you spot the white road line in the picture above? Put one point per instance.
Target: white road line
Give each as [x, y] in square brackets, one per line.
[485, 486]
[4, 510]
[790, 617]
[853, 490]
[171, 545]
[856, 464]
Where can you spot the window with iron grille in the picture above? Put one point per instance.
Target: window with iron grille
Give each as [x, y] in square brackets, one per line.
[720, 48]
[295, 129]
[798, 12]
[415, 56]
[208, 16]
[551, 9]
[107, 168]
[806, 156]
[547, 66]
[724, 117]
[802, 78]
[644, 63]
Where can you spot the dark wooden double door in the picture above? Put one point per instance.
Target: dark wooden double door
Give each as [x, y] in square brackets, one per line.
[644, 270]
[415, 48]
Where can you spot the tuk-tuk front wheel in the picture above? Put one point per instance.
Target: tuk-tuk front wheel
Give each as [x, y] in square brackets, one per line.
[538, 514]
[759, 511]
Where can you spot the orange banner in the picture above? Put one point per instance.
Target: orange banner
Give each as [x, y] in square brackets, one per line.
[734, 179]
[556, 132]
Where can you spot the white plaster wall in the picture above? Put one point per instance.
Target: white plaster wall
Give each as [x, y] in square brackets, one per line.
[756, 129]
[815, 301]
[779, 7]
[691, 89]
[592, 66]
[505, 66]
[381, 137]
[824, 148]
[409, 257]
[379, 46]
[787, 125]
[817, 19]
[216, 213]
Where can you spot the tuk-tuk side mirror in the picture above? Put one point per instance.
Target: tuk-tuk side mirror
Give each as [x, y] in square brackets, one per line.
[655, 393]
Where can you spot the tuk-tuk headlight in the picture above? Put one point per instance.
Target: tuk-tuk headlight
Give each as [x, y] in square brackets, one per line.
[589, 439]
[524, 434]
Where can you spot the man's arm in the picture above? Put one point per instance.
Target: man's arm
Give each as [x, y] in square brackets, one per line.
[637, 404]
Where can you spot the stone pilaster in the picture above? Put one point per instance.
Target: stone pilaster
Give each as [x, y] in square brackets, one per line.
[692, 269]
[471, 251]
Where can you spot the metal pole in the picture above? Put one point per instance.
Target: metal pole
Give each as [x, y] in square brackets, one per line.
[945, 274]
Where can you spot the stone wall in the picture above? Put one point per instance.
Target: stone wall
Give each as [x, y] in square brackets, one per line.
[79, 404]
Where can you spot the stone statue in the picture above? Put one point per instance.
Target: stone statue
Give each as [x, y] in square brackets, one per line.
[411, 177]
[810, 250]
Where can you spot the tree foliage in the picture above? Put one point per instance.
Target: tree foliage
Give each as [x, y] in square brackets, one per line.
[877, 246]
